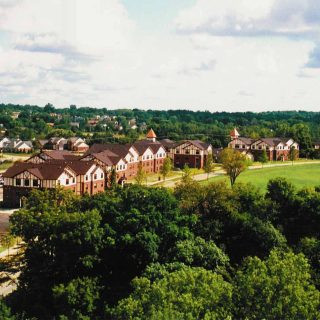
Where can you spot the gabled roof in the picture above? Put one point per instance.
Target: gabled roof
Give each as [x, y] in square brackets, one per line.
[75, 139]
[79, 167]
[247, 141]
[167, 143]
[59, 155]
[151, 134]
[197, 143]
[272, 142]
[44, 171]
[142, 145]
[118, 149]
[21, 143]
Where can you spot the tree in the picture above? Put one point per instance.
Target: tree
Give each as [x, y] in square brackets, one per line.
[200, 253]
[77, 299]
[186, 176]
[113, 178]
[209, 165]
[234, 163]
[189, 293]
[278, 288]
[293, 155]
[5, 312]
[263, 158]
[141, 175]
[166, 167]
[7, 240]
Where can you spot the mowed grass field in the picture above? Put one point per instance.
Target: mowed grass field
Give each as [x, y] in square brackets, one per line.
[307, 175]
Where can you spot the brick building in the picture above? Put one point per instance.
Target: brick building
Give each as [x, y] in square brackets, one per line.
[77, 176]
[277, 149]
[189, 152]
[125, 159]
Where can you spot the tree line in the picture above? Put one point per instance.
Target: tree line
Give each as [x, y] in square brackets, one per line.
[195, 252]
[212, 127]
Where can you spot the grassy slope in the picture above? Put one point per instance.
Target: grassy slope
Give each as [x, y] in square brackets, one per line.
[301, 175]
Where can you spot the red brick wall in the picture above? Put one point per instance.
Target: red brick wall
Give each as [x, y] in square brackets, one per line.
[158, 163]
[148, 166]
[193, 161]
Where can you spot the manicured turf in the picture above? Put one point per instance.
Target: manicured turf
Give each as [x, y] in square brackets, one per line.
[300, 175]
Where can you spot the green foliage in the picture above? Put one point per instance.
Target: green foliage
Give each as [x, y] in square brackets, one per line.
[209, 165]
[263, 158]
[199, 253]
[186, 177]
[77, 299]
[293, 155]
[141, 226]
[5, 312]
[141, 175]
[190, 293]
[278, 288]
[113, 178]
[166, 167]
[148, 253]
[234, 163]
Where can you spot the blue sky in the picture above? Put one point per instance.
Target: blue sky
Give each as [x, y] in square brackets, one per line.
[215, 55]
[155, 15]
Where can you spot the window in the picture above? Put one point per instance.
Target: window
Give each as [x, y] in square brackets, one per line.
[237, 146]
[35, 183]
[73, 180]
[86, 178]
[187, 151]
[27, 182]
[95, 186]
[95, 177]
[67, 181]
[18, 182]
[178, 151]
[101, 175]
[197, 152]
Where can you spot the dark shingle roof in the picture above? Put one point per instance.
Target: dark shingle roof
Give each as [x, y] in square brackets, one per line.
[45, 171]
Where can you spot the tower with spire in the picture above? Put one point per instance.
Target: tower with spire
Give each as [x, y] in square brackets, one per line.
[151, 136]
[234, 134]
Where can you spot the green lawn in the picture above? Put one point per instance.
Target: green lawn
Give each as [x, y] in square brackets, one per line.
[300, 175]
[5, 165]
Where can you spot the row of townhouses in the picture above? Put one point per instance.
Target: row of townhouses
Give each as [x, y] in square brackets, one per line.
[15, 145]
[76, 144]
[90, 172]
[277, 149]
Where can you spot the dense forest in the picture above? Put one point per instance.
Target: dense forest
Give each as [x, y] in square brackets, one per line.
[195, 252]
[214, 127]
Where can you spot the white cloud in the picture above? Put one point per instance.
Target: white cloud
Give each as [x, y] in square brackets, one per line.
[251, 18]
[92, 53]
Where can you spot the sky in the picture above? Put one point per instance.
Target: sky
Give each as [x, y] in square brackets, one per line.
[243, 55]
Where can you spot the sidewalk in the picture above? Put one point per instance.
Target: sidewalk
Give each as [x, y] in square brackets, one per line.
[11, 284]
